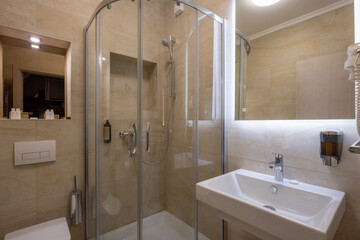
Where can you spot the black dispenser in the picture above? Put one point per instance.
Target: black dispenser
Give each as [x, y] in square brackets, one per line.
[331, 147]
[107, 132]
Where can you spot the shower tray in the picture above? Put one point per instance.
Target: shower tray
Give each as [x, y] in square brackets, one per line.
[160, 226]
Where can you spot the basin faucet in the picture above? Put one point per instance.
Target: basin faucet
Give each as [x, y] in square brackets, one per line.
[277, 165]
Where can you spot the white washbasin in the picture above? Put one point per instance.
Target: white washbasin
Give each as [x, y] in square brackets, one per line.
[302, 211]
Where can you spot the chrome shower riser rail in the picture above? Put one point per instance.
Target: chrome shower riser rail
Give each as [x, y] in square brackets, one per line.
[189, 3]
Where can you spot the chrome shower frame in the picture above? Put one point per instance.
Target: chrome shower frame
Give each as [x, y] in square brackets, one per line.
[198, 8]
[247, 41]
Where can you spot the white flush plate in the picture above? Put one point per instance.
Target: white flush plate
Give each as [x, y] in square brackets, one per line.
[34, 152]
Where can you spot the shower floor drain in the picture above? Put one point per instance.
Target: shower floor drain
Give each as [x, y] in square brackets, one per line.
[269, 207]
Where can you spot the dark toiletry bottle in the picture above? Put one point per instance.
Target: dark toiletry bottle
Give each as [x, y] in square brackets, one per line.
[107, 132]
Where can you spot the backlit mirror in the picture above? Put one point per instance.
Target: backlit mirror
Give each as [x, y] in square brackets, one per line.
[290, 60]
[35, 76]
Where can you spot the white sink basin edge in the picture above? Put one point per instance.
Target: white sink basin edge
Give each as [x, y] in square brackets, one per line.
[303, 211]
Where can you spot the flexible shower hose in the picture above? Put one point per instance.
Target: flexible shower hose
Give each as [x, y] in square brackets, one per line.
[167, 44]
[168, 137]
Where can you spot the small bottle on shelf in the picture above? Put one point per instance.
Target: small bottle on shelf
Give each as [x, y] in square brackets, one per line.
[47, 114]
[12, 113]
[52, 115]
[18, 114]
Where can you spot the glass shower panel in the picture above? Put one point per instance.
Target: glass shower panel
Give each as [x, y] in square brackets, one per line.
[155, 101]
[90, 140]
[117, 61]
[180, 161]
[210, 116]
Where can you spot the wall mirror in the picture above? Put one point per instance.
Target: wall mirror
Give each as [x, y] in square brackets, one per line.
[35, 75]
[290, 60]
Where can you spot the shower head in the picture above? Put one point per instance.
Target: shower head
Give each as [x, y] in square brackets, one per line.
[165, 42]
[168, 44]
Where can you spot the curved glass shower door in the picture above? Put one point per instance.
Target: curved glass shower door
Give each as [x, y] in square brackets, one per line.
[112, 108]
[154, 119]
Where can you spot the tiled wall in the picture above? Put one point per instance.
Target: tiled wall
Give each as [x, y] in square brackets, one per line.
[36, 193]
[272, 72]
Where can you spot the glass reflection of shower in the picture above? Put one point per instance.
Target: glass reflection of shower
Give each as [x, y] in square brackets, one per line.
[243, 49]
[164, 100]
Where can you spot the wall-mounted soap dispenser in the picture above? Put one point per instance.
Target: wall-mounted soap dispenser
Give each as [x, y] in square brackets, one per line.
[331, 147]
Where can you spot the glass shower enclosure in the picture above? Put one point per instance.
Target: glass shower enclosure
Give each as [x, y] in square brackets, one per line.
[154, 119]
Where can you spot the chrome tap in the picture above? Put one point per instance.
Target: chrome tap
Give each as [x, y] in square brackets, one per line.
[277, 165]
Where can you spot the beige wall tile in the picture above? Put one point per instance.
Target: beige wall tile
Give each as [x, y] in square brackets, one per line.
[17, 215]
[247, 140]
[235, 163]
[19, 14]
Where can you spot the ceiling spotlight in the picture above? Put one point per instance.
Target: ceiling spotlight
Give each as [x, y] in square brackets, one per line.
[35, 46]
[35, 39]
[103, 58]
[264, 3]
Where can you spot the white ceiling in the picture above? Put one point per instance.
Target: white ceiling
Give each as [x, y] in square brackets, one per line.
[251, 19]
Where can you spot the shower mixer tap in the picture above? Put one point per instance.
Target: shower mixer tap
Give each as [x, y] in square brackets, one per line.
[131, 134]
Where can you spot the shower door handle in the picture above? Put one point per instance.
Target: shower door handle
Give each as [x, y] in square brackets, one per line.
[131, 134]
[148, 138]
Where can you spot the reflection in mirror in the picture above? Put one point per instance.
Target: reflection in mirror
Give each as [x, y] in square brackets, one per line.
[209, 67]
[295, 69]
[243, 49]
[35, 76]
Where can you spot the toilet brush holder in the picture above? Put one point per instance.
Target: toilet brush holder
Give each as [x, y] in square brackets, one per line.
[75, 206]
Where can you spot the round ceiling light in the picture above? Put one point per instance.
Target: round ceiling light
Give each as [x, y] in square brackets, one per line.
[264, 3]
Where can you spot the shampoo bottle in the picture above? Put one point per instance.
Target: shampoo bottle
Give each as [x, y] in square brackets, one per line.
[107, 132]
